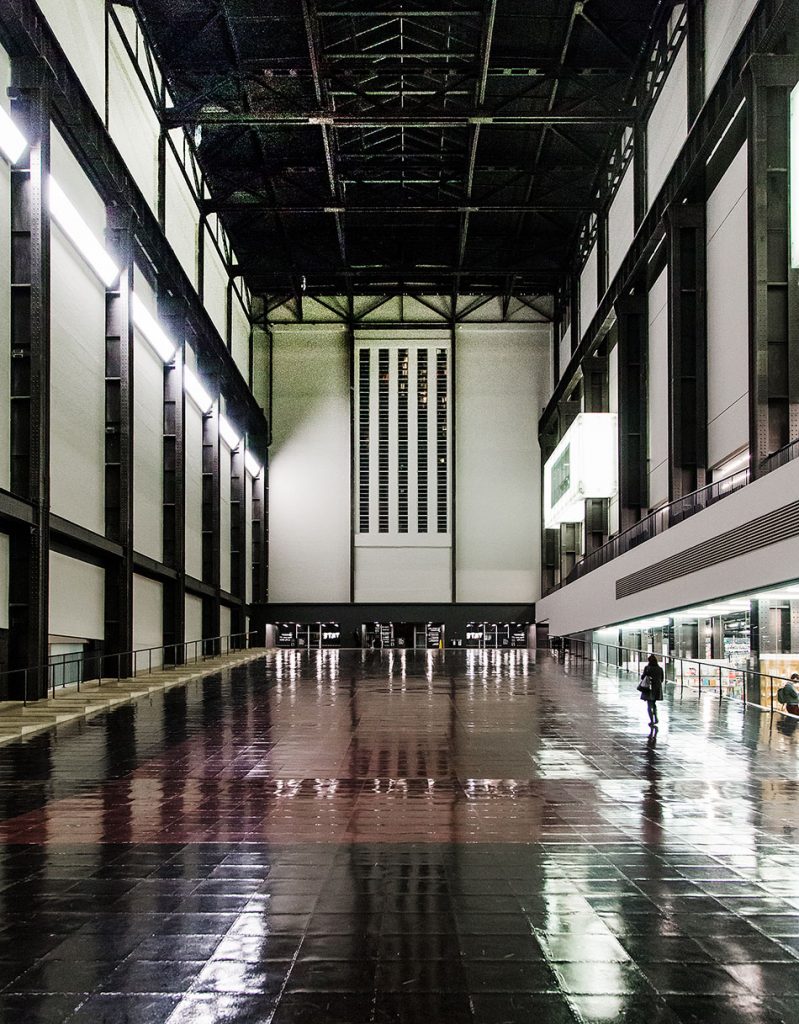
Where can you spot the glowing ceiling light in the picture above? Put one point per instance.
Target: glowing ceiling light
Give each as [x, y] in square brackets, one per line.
[227, 433]
[196, 391]
[152, 330]
[12, 142]
[80, 234]
[251, 464]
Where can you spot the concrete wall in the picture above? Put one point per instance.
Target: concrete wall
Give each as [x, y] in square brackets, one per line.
[621, 222]
[667, 127]
[728, 313]
[79, 27]
[724, 23]
[309, 472]
[194, 618]
[501, 385]
[77, 340]
[591, 602]
[77, 598]
[148, 617]
[658, 426]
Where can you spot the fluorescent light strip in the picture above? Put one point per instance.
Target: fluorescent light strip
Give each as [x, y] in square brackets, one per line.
[793, 186]
[12, 142]
[81, 235]
[252, 465]
[151, 330]
[196, 391]
[227, 433]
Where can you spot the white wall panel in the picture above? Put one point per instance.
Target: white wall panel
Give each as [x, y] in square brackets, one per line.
[248, 536]
[658, 393]
[591, 602]
[194, 620]
[613, 406]
[224, 622]
[724, 22]
[194, 490]
[4, 581]
[182, 216]
[621, 222]
[309, 474]
[79, 27]
[77, 325]
[224, 516]
[588, 290]
[5, 291]
[240, 337]
[728, 313]
[403, 574]
[501, 385]
[77, 598]
[215, 284]
[667, 127]
[131, 120]
[148, 621]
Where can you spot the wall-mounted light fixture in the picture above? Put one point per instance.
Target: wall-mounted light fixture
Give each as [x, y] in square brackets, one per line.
[81, 235]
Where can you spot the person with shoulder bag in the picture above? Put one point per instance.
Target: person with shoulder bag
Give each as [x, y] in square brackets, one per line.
[789, 695]
[651, 687]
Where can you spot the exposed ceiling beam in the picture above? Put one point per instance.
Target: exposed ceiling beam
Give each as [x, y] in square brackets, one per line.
[226, 206]
[415, 119]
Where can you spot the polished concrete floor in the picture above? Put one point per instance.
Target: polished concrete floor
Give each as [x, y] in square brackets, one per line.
[386, 837]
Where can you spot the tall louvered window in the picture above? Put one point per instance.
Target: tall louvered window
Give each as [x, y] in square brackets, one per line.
[382, 441]
[402, 440]
[442, 454]
[421, 440]
[363, 440]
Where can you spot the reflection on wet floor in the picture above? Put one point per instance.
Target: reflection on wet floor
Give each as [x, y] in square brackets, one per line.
[402, 836]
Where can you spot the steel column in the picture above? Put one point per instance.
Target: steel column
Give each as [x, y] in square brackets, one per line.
[687, 349]
[773, 283]
[173, 317]
[633, 408]
[211, 547]
[119, 441]
[30, 381]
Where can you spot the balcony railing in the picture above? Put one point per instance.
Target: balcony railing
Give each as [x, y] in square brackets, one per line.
[707, 677]
[674, 512]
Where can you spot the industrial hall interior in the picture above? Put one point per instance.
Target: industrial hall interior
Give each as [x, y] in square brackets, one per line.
[399, 511]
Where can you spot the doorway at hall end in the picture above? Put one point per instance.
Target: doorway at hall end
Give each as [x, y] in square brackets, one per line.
[416, 636]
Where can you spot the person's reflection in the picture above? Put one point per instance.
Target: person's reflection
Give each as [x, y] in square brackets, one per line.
[651, 803]
[787, 726]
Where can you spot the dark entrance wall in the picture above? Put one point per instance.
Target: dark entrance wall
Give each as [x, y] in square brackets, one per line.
[352, 616]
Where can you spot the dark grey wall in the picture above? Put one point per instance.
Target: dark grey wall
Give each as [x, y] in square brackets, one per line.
[352, 616]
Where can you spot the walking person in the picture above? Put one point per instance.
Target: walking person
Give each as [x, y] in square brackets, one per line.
[651, 687]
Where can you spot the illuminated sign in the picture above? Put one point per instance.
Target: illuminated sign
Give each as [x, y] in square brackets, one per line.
[584, 465]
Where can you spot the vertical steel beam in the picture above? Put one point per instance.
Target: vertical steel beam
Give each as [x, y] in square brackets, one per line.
[631, 315]
[696, 58]
[773, 283]
[260, 537]
[640, 187]
[574, 312]
[238, 539]
[687, 349]
[30, 380]
[596, 398]
[119, 440]
[173, 317]
[211, 522]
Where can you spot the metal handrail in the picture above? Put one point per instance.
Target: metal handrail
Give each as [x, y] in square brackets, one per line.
[674, 512]
[207, 647]
[740, 683]
[656, 523]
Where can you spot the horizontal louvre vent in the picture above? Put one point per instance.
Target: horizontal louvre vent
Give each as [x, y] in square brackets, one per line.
[759, 533]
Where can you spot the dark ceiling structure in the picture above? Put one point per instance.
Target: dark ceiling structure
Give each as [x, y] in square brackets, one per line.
[447, 146]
